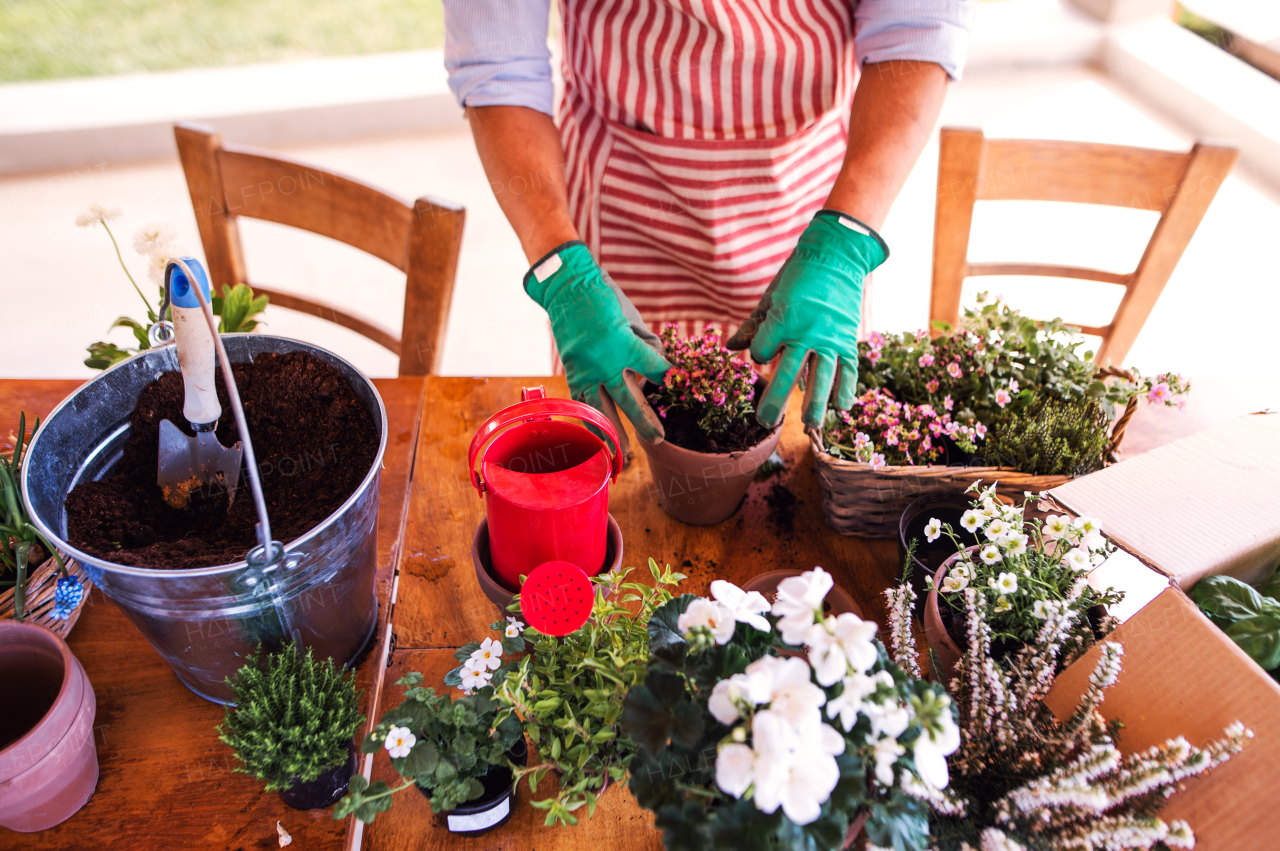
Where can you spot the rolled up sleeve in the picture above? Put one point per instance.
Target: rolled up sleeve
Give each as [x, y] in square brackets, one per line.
[923, 30]
[496, 53]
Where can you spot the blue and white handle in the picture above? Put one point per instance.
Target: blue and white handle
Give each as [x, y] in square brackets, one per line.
[196, 352]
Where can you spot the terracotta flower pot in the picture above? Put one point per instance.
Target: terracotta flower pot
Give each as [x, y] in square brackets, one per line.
[946, 651]
[493, 808]
[326, 789]
[48, 764]
[701, 488]
[838, 600]
[499, 594]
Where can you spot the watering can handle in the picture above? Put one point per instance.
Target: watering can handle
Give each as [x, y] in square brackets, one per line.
[536, 406]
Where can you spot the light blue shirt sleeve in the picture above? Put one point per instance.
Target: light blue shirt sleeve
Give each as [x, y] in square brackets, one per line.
[496, 53]
[924, 30]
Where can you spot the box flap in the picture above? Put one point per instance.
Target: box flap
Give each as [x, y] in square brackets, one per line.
[1202, 505]
[1181, 676]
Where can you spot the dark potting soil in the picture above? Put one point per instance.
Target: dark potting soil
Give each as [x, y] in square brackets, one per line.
[314, 440]
[782, 507]
[682, 429]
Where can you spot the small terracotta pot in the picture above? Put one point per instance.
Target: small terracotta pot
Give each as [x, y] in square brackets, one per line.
[493, 808]
[946, 651]
[48, 764]
[838, 600]
[326, 789]
[701, 488]
[499, 594]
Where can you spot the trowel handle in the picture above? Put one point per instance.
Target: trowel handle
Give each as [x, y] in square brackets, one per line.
[196, 352]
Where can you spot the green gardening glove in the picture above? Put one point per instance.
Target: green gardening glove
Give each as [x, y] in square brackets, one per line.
[600, 335]
[813, 306]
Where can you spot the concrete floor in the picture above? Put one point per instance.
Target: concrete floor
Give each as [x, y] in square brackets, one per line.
[1213, 321]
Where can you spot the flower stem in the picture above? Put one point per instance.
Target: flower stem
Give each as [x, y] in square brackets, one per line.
[22, 551]
[138, 289]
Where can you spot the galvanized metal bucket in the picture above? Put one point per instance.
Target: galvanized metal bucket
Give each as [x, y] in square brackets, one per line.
[204, 621]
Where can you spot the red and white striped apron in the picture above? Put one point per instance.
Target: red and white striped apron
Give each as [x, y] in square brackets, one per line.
[700, 137]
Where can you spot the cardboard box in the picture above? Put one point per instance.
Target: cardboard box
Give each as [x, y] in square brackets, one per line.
[1203, 505]
[1182, 677]
[1199, 506]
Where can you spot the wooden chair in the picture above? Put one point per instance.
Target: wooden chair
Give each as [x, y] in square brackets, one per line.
[1177, 186]
[422, 240]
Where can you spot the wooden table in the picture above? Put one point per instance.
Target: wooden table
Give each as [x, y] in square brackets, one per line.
[165, 781]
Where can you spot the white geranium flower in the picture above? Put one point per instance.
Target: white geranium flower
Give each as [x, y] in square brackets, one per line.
[1006, 583]
[488, 654]
[1090, 530]
[725, 697]
[886, 752]
[996, 529]
[794, 768]
[840, 643]
[799, 600]
[792, 694]
[475, 674]
[890, 718]
[990, 554]
[953, 583]
[714, 616]
[1016, 544]
[1078, 559]
[857, 688]
[747, 607]
[154, 238]
[1002, 604]
[399, 742]
[1039, 610]
[932, 749]
[735, 769]
[971, 520]
[1055, 526]
[98, 214]
[514, 628]
[933, 530]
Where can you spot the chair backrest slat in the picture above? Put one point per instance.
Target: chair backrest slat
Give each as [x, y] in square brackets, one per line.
[973, 168]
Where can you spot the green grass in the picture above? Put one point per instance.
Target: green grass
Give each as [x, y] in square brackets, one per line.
[52, 39]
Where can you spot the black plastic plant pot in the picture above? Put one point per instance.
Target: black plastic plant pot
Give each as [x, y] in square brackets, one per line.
[325, 790]
[948, 508]
[494, 807]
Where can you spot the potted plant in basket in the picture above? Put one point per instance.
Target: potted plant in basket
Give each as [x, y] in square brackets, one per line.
[293, 725]
[53, 594]
[741, 747]
[1000, 396]
[1023, 568]
[452, 749]
[1027, 781]
[714, 444]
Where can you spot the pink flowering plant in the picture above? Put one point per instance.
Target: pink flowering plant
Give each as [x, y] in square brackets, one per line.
[706, 379]
[879, 430]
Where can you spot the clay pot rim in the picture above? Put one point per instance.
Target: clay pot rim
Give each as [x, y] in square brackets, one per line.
[679, 450]
[785, 572]
[68, 669]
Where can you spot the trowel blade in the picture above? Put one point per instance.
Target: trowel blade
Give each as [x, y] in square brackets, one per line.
[200, 463]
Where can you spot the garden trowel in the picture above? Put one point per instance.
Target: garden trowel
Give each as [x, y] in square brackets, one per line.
[200, 464]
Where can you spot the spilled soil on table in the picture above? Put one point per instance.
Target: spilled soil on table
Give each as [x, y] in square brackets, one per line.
[315, 441]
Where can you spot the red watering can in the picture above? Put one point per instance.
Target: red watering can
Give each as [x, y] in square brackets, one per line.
[545, 484]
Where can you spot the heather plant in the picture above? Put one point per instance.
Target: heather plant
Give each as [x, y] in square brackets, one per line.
[705, 379]
[880, 430]
[1023, 780]
[744, 740]
[294, 717]
[1052, 437]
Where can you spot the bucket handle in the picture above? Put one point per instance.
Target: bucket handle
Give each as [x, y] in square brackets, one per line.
[534, 406]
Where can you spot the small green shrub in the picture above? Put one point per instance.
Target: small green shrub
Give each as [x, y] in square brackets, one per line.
[1052, 438]
[294, 717]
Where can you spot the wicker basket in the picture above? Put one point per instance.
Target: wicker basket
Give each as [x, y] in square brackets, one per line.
[39, 602]
[868, 503]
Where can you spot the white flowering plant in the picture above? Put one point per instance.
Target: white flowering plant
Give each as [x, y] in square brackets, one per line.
[773, 726]
[442, 744]
[1024, 780]
[1023, 568]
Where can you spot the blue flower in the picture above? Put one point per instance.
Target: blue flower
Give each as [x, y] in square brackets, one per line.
[67, 594]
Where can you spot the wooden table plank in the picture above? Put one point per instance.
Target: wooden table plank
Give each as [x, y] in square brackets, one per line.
[165, 781]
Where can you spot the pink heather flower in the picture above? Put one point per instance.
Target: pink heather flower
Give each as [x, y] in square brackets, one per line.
[877, 461]
[1013, 385]
[1159, 393]
[926, 359]
[1002, 397]
[873, 356]
[932, 386]
[876, 340]
[980, 430]
[953, 369]
[947, 403]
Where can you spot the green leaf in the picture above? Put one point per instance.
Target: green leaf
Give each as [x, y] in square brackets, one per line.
[237, 306]
[901, 824]
[421, 761]
[660, 712]
[1260, 638]
[666, 641]
[1271, 588]
[1227, 600]
[103, 355]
